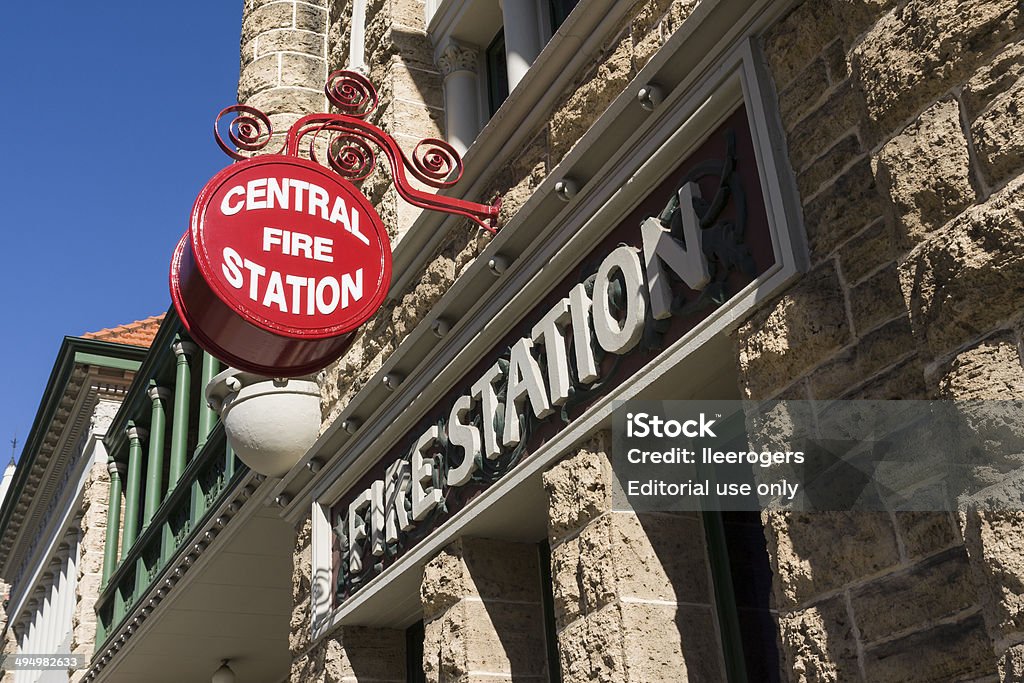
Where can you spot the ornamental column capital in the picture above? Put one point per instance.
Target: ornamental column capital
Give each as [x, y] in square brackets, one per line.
[158, 393]
[135, 433]
[183, 347]
[118, 468]
[458, 57]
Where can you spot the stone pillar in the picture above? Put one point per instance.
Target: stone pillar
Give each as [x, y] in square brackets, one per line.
[458, 64]
[155, 463]
[483, 613]
[10, 642]
[207, 415]
[87, 552]
[991, 370]
[183, 351]
[116, 471]
[522, 37]
[352, 653]
[134, 490]
[632, 595]
[283, 60]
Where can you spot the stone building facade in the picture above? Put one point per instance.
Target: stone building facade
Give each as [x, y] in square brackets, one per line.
[896, 125]
[887, 159]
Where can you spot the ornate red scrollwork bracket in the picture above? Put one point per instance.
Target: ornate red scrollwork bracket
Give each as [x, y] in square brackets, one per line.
[434, 162]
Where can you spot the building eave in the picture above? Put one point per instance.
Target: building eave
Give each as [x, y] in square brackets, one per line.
[74, 352]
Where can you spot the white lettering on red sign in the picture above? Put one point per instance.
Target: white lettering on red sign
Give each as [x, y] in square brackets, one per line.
[292, 195]
[291, 293]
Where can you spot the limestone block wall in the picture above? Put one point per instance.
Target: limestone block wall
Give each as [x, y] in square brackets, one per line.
[400, 62]
[283, 60]
[10, 641]
[483, 613]
[908, 162]
[632, 592]
[350, 653]
[91, 543]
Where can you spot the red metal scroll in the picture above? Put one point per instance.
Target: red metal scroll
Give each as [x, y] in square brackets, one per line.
[434, 162]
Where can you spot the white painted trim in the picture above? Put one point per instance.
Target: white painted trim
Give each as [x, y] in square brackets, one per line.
[250, 507]
[322, 542]
[58, 525]
[357, 39]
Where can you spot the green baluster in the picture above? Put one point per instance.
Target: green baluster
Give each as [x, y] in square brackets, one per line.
[183, 350]
[155, 464]
[117, 471]
[207, 416]
[131, 506]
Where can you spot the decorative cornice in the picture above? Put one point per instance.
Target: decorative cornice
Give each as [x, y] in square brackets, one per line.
[71, 390]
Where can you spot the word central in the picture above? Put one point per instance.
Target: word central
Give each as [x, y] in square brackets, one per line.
[290, 194]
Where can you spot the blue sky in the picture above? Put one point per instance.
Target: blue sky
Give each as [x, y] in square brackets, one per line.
[106, 114]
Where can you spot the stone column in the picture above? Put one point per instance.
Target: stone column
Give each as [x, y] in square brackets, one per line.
[483, 613]
[283, 60]
[354, 654]
[134, 490]
[183, 351]
[522, 37]
[991, 371]
[458, 64]
[155, 463]
[117, 471]
[632, 595]
[87, 554]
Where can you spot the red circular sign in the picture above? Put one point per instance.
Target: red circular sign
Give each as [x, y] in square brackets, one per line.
[283, 260]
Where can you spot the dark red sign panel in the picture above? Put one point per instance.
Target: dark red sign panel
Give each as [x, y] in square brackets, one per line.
[283, 261]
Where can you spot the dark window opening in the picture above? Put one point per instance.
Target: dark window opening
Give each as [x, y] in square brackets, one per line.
[414, 654]
[550, 631]
[497, 73]
[742, 575]
[560, 11]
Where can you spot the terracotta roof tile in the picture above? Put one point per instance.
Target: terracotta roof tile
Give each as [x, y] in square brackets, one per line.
[138, 333]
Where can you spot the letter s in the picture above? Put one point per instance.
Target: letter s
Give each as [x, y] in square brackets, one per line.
[642, 428]
[231, 268]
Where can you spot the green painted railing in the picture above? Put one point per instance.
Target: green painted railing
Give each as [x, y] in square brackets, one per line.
[170, 470]
[209, 479]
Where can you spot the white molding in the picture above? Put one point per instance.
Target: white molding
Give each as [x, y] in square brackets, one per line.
[322, 543]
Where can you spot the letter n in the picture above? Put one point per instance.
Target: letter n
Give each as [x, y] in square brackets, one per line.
[660, 250]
